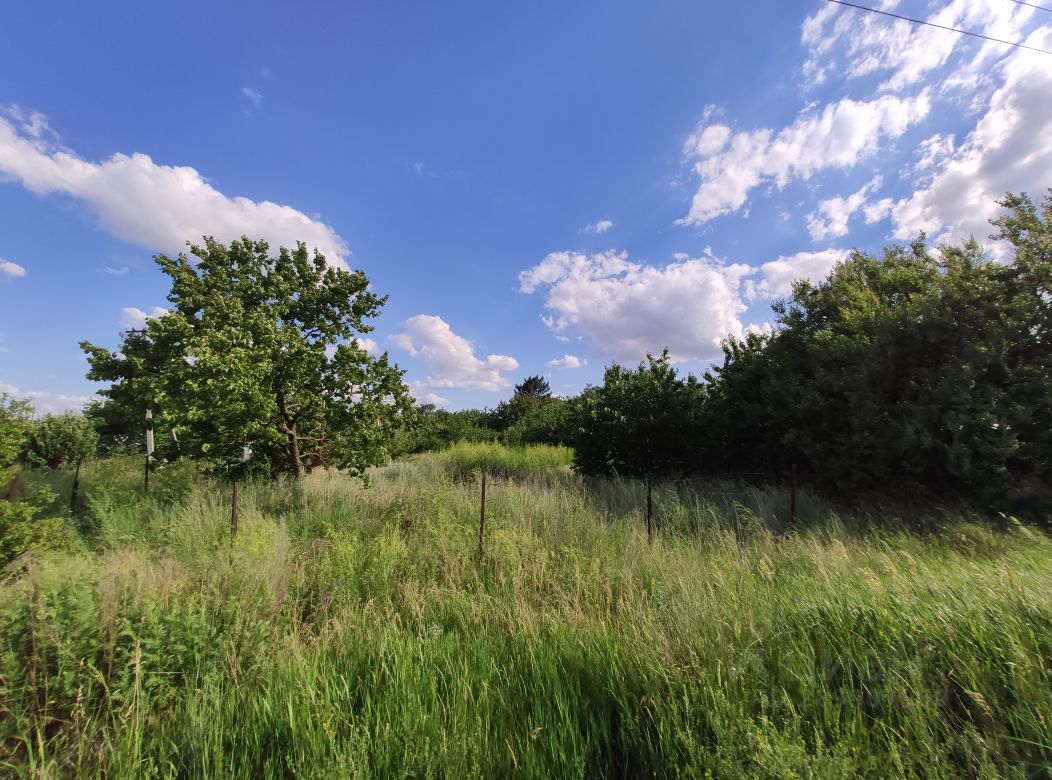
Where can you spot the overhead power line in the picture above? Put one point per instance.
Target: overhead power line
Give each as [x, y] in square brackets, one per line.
[942, 26]
[1031, 5]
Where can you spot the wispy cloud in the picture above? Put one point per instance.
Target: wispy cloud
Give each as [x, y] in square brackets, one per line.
[601, 226]
[254, 97]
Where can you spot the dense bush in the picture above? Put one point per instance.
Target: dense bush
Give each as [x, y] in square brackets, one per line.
[57, 440]
[910, 369]
[640, 422]
[15, 423]
[434, 429]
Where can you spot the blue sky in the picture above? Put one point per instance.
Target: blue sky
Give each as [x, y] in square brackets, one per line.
[540, 188]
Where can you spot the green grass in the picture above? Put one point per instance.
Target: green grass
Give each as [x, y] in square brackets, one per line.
[352, 632]
[465, 459]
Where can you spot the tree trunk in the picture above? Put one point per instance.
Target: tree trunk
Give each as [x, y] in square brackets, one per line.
[294, 453]
[289, 429]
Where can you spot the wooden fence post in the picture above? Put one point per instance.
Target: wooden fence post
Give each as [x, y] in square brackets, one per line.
[482, 515]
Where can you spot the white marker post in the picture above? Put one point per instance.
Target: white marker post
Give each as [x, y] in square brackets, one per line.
[149, 450]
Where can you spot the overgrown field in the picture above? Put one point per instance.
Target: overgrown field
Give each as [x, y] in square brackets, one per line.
[351, 631]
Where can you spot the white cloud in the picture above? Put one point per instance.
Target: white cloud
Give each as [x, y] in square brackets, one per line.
[108, 269]
[159, 207]
[567, 361]
[830, 221]
[628, 309]
[253, 96]
[450, 358]
[601, 226]
[1007, 151]
[857, 44]
[428, 398]
[7, 268]
[46, 402]
[838, 135]
[131, 317]
[777, 276]
[369, 345]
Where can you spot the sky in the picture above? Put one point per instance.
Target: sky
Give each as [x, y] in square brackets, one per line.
[540, 188]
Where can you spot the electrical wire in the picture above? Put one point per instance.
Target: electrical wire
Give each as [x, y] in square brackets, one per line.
[944, 27]
[1031, 5]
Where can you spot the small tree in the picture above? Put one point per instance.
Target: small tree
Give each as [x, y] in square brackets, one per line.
[15, 420]
[261, 351]
[638, 422]
[535, 386]
[59, 440]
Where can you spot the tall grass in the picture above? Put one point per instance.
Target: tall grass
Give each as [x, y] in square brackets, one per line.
[352, 632]
[539, 460]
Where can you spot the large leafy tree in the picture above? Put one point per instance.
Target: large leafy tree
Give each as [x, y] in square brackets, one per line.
[914, 368]
[260, 351]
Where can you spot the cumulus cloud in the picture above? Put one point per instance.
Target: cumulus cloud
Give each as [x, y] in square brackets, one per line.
[1007, 151]
[155, 206]
[7, 268]
[601, 226]
[451, 359]
[952, 184]
[777, 276]
[369, 345]
[838, 135]
[627, 309]
[132, 317]
[428, 398]
[831, 218]
[567, 361]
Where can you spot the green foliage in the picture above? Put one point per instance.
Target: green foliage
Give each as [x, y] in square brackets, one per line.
[540, 421]
[58, 440]
[15, 421]
[911, 369]
[261, 351]
[32, 524]
[121, 429]
[638, 422]
[433, 429]
[535, 386]
[361, 636]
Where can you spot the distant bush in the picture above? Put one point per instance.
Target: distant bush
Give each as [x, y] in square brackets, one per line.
[435, 429]
[31, 524]
[465, 458]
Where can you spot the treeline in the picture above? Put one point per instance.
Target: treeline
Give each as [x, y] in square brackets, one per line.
[915, 370]
[912, 371]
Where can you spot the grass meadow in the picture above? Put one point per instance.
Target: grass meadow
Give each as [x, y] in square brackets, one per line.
[352, 631]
